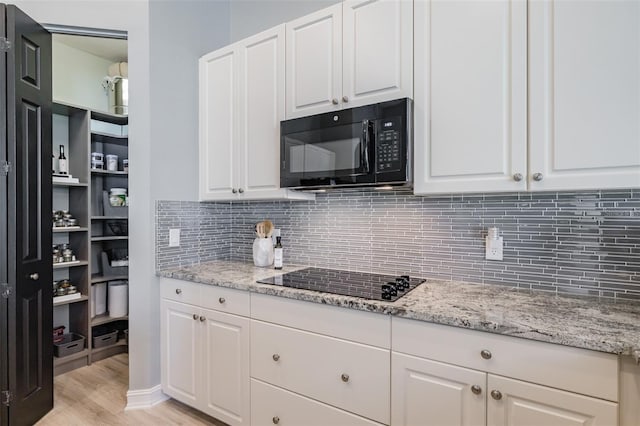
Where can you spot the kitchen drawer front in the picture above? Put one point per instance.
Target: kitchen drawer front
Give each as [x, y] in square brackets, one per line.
[272, 405]
[347, 375]
[349, 324]
[577, 370]
[180, 291]
[225, 299]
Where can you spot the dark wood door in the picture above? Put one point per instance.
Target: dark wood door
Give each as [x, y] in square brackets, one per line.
[30, 306]
[4, 277]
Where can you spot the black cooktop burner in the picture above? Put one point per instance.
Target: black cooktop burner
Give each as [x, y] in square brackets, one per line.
[356, 284]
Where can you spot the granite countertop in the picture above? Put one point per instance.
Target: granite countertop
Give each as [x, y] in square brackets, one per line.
[582, 322]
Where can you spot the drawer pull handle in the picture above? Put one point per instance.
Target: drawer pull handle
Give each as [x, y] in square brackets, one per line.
[276, 357]
[202, 319]
[345, 377]
[275, 420]
[538, 177]
[518, 177]
[496, 394]
[485, 354]
[477, 390]
[222, 300]
[195, 316]
[178, 291]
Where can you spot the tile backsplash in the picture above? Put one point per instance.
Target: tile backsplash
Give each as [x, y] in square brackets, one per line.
[584, 242]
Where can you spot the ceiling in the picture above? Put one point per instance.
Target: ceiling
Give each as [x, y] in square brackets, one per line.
[112, 49]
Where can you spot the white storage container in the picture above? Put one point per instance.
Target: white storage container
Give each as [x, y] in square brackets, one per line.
[118, 298]
[99, 299]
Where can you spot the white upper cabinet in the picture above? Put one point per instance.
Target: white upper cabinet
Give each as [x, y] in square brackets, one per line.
[351, 54]
[218, 128]
[378, 51]
[470, 96]
[314, 62]
[584, 77]
[241, 106]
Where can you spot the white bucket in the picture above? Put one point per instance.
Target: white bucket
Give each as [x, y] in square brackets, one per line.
[118, 298]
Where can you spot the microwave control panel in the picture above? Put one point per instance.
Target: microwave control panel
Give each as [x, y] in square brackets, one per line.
[388, 145]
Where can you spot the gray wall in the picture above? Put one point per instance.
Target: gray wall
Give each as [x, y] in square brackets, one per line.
[249, 17]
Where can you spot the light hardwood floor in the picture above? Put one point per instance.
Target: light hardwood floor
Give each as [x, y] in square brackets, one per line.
[96, 395]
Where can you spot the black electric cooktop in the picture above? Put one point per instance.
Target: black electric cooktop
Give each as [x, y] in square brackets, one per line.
[357, 284]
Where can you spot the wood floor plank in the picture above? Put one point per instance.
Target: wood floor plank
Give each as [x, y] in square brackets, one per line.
[96, 395]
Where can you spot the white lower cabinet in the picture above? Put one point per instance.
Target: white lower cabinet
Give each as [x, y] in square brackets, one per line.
[434, 393]
[205, 356]
[273, 405]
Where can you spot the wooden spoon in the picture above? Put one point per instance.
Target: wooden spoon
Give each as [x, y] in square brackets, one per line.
[268, 228]
[260, 230]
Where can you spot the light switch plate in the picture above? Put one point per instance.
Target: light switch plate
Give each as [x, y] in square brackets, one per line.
[174, 237]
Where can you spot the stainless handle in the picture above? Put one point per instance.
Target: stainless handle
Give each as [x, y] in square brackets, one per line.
[234, 190]
[496, 394]
[345, 377]
[195, 316]
[202, 319]
[517, 177]
[241, 190]
[35, 276]
[345, 99]
[334, 101]
[275, 420]
[366, 137]
[538, 177]
[178, 291]
[477, 390]
[485, 354]
[222, 300]
[276, 357]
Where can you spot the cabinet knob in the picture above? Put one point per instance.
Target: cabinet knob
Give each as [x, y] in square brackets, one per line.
[234, 190]
[195, 316]
[345, 99]
[275, 420]
[35, 276]
[276, 357]
[222, 300]
[538, 177]
[496, 394]
[477, 390]
[517, 177]
[334, 101]
[485, 354]
[241, 190]
[345, 377]
[178, 291]
[202, 319]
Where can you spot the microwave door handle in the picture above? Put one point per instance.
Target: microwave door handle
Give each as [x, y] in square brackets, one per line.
[366, 137]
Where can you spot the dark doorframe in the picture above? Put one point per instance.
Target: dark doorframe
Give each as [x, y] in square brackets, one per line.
[4, 278]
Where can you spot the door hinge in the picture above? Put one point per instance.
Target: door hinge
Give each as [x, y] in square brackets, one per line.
[5, 168]
[5, 291]
[7, 397]
[5, 44]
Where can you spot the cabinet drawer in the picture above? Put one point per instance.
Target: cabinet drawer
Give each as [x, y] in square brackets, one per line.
[271, 405]
[349, 324]
[180, 291]
[224, 299]
[577, 370]
[347, 375]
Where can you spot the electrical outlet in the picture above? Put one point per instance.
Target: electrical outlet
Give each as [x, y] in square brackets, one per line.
[174, 237]
[493, 248]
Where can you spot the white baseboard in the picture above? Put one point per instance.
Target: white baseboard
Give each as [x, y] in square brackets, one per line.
[145, 398]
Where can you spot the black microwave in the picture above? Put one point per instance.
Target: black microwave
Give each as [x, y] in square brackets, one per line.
[363, 146]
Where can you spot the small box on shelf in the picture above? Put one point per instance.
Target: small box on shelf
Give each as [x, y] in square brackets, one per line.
[110, 210]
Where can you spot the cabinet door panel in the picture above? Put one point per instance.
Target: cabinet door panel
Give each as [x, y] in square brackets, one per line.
[470, 101]
[314, 62]
[425, 392]
[261, 110]
[524, 403]
[218, 126]
[180, 352]
[585, 94]
[225, 367]
[378, 51]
